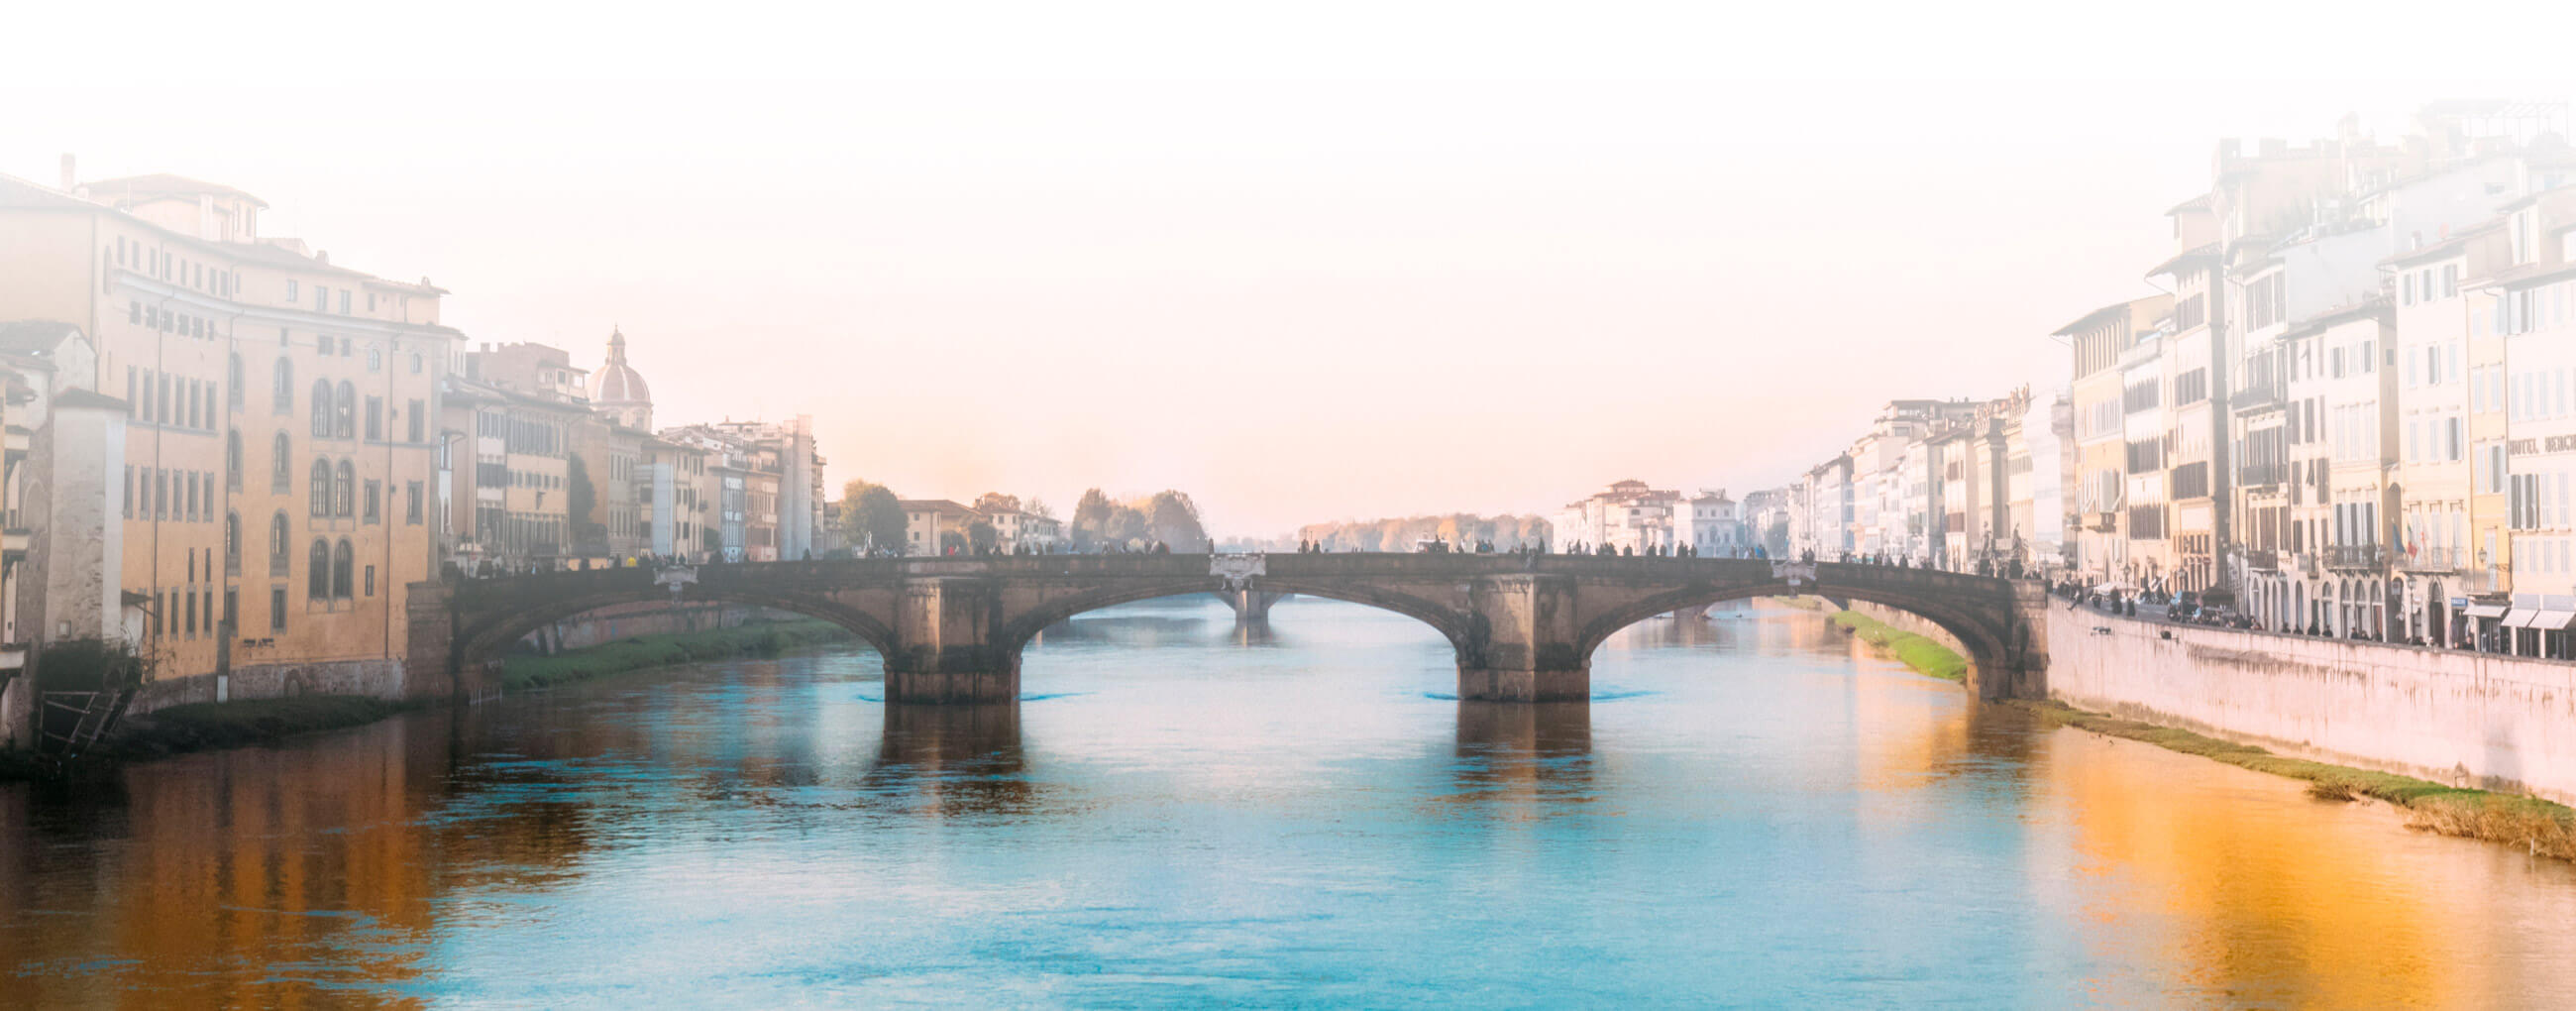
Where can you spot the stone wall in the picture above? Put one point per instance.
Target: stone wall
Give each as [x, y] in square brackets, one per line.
[626, 621]
[378, 678]
[2466, 719]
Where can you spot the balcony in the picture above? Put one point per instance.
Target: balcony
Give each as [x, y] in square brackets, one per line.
[2263, 560]
[2434, 560]
[2102, 523]
[2357, 556]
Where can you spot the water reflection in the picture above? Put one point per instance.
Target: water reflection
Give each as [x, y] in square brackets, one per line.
[1523, 752]
[1751, 808]
[953, 760]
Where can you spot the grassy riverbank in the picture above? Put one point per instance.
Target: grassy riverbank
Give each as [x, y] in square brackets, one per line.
[2537, 826]
[641, 652]
[1925, 655]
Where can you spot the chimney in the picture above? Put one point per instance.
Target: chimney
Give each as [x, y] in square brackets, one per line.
[71, 177]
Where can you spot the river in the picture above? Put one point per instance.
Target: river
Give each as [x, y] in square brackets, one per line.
[1752, 811]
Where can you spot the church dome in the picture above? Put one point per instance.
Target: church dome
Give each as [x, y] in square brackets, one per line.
[617, 384]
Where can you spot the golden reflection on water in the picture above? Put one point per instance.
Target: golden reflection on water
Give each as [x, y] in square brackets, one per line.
[2246, 891]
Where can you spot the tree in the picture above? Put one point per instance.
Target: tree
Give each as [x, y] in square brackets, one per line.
[1091, 517]
[871, 516]
[980, 536]
[1036, 506]
[579, 498]
[950, 540]
[1175, 519]
[1125, 525]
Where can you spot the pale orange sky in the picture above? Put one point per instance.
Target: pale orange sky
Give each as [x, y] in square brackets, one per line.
[1341, 262]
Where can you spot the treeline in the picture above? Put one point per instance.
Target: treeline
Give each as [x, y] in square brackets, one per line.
[1166, 516]
[1505, 532]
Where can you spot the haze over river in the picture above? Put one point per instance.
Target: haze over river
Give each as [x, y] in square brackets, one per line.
[1752, 811]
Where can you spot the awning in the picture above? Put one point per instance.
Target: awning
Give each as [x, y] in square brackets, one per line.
[2551, 621]
[2486, 610]
[2521, 618]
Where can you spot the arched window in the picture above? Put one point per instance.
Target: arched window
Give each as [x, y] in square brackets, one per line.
[232, 543]
[278, 554]
[233, 382]
[320, 491]
[343, 562]
[344, 491]
[283, 397]
[232, 460]
[317, 575]
[345, 415]
[281, 474]
[322, 408]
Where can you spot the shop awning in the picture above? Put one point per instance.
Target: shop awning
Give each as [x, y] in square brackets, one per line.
[2486, 610]
[2521, 618]
[2551, 621]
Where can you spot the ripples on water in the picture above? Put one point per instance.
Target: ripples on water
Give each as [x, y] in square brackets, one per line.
[1184, 813]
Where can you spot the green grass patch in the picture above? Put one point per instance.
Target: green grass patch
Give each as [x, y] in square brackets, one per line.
[203, 726]
[2536, 825]
[1925, 655]
[647, 651]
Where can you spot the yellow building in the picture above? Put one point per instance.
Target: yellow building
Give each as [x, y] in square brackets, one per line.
[281, 438]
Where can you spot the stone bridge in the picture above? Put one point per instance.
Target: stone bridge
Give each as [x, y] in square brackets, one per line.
[951, 629]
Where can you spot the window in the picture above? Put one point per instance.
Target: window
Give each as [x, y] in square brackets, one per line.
[160, 494]
[411, 502]
[232, 460]
[233, 381]
[374, 489]
[345, 423]
[344, 310]
[232, 544]
[319, 493]
[321, 299]
[371, 581]
[415, 363]
[414, 418]
[342, 561]
[322, 408]
[317, 574]
[375, 360]
[344, 491]
[282, 394]
[277, 609]
[129, 491]
[291, 295]
[375, 419]
[278, 559]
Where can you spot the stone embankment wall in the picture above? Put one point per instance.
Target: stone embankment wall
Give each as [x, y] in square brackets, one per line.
[2467, 719]
[391, 680]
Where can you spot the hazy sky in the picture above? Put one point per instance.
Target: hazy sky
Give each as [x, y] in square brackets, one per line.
[1335, 260]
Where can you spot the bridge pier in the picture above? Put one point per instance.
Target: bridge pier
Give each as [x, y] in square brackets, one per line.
[1523, 643]
[1250, 605]
[948, 650]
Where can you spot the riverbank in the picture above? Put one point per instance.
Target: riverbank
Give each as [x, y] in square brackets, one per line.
[2538, 826]
[210, 726]
[1926, 656]
[649, 651]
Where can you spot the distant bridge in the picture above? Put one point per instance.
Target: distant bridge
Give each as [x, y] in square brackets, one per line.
[951, 629]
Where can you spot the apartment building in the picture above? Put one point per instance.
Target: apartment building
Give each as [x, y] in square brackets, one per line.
[280, 433]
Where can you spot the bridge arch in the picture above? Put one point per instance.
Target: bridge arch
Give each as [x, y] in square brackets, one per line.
[1996, 645]
[491, 635]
